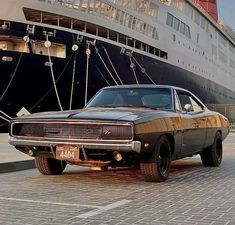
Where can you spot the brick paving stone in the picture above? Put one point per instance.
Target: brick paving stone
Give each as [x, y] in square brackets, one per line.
[194, 195]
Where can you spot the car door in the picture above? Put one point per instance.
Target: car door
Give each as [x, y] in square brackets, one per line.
[193, 123]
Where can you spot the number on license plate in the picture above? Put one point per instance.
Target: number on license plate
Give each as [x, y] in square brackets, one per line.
[67, 152]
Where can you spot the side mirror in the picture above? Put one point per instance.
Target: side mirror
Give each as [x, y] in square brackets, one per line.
[188, 108]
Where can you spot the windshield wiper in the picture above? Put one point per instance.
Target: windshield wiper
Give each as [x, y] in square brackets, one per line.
[103, 106]
[139, 106]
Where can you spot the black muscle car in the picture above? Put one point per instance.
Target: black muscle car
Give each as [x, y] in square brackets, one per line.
[145, 125]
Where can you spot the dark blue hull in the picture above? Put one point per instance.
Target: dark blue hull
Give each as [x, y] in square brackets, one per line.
[31, 85]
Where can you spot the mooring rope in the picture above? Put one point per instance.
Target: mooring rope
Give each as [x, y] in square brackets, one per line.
[143, 70]
[112, 65]
[13, 76]
[74, 48]
[102, 75]
[88, 53]
[48, 45]
[62, 72]
[6, 118]
[97, 52]
[132, 65]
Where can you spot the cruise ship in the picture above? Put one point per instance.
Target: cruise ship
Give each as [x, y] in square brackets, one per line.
[56, 54]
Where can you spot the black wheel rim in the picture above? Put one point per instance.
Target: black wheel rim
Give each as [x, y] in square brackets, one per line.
[164, 159]
[219, 149]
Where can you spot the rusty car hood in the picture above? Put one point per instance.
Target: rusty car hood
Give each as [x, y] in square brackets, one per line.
[110, 114]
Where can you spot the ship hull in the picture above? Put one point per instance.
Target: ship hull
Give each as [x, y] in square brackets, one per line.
[27, 81]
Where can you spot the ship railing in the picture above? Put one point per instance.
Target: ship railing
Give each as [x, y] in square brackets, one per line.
[112, 11]
[114, 14]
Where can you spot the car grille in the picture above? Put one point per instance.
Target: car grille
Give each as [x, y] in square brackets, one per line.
[73, 131]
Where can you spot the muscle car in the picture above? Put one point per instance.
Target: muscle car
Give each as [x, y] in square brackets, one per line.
[144, 125]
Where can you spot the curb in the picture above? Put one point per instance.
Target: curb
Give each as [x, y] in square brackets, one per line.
[16, 166]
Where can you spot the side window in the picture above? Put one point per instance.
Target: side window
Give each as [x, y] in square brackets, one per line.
[196, 106]
[177, 104]
[186, 99]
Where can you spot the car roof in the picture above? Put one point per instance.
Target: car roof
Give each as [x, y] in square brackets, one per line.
[145, 86]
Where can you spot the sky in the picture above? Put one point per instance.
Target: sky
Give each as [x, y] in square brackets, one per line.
[226, 9]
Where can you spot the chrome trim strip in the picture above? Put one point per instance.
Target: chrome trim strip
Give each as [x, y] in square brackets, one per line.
[107, 145]
[72, 121]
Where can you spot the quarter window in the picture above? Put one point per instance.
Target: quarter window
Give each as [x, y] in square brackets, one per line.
[186, 99]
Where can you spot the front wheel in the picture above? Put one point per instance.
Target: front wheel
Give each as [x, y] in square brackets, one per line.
[49, 166]
[157, 167]
[212, 156]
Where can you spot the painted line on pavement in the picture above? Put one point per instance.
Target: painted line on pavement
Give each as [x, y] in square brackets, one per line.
[103, 209]
[50, 203]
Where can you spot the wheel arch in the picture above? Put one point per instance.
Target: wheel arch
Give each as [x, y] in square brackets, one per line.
[171, 141]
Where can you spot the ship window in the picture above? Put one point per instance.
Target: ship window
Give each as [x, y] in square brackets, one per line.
[182, 28]
[153, 9]
[127, 20]
[118, 13]
[169, 20]
[155, 35]
[176, 23]
[121, 18]
[4, 25]
[149, 31]
[197, 17]
[163, 55]
[197, 37]
[203, 23]
[207, 27]
[187, 31]
[3, 46]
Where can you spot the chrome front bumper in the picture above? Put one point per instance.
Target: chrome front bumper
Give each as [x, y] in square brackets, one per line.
[97, 144]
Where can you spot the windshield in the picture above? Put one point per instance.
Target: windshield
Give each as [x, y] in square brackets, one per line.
[133, 97]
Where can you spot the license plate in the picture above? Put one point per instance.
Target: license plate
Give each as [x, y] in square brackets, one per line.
[67, 152]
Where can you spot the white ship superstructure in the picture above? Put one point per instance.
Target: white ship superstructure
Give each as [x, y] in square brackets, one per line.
[94, 43]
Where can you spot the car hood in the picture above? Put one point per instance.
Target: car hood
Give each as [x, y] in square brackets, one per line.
[110, 114]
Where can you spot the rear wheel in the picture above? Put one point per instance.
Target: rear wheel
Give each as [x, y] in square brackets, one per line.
[212, 156]
[49, 166]
[157, 167]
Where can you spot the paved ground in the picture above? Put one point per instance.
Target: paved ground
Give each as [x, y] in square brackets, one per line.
[193, 195]
[11, 159]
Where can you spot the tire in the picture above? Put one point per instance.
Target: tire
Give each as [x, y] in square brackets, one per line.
[104, 168]
[212, 156]
[157, 167]
[49, 166]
